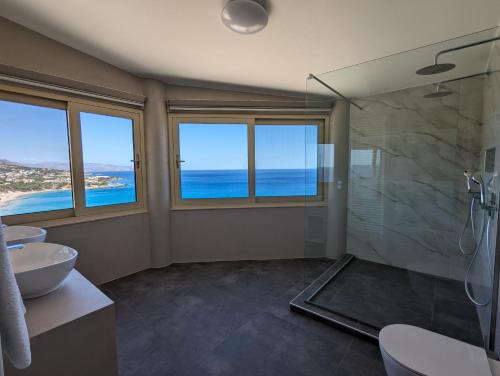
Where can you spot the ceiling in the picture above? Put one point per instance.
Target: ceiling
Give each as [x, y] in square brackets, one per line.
[184, 41]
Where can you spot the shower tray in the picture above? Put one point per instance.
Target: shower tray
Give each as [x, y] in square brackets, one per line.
[363, 296]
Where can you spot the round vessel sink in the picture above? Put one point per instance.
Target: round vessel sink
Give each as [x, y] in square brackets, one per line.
[23, 234]
[41, 268]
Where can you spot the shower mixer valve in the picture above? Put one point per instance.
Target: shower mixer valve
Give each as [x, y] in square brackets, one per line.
[487, 204]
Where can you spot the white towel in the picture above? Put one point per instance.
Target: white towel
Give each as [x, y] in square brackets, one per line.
[13, 331]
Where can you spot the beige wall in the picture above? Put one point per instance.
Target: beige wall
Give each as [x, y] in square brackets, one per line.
[157, 167]
[116, 247]
[110, 248]
[26, 50]
[237, 234]
[234, 234]
[107, 249]
[191, 93]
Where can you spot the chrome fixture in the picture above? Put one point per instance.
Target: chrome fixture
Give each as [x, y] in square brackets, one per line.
[313, 77]
[244, 16]
[436, 68]
[477, 192]
[439, 92]
[445, 67]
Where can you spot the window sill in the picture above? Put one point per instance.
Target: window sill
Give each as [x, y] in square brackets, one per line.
[83, 219]
[302, 204]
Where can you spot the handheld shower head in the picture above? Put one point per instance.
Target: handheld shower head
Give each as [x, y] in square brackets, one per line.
[478, 179]
[468, 176]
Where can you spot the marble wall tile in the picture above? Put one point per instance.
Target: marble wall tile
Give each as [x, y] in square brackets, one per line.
[407, 206]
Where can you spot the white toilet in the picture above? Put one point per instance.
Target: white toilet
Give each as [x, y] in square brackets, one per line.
[408, 351]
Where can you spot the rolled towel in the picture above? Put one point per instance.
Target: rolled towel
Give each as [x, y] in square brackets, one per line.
[14, 336]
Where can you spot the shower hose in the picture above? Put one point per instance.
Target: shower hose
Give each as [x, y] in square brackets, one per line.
[485, 230]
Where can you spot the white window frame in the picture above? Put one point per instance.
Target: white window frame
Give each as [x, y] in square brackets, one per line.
[177, 203]
[73, 106]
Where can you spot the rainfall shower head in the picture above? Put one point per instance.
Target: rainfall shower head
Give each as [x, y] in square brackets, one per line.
[435, 69]
[440, 92]
[445, 67]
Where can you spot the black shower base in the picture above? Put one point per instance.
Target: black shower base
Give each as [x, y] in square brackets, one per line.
[363, 297]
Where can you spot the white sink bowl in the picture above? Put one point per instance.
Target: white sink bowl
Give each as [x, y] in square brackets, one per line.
[23, 234]
[41, 268]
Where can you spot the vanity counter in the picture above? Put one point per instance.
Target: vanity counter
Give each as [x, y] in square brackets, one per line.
[72, 332]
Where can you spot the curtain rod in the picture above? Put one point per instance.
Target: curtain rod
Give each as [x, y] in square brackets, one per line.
[68, 90]
[283, 110]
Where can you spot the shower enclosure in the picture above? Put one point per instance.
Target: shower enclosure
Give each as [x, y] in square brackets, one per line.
[395, 199]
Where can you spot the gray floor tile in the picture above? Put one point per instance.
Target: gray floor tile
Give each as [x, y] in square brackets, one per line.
[380, 295]
[225, 318]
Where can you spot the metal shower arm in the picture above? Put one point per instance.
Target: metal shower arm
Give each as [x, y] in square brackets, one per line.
[464, 46]
[335, 91]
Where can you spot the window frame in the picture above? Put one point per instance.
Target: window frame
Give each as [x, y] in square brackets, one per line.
[252, 120]
[73, 106]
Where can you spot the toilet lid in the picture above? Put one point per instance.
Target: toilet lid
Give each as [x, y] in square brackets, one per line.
[431, 354]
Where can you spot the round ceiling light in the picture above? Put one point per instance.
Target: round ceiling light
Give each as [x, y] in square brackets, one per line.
[244, 16]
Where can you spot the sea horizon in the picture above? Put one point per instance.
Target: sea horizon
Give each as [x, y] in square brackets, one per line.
[195, 184]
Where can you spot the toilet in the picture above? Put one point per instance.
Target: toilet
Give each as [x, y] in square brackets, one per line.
[409, 351]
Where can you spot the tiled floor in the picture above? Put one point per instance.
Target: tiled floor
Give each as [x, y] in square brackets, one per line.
[380, 295]
[230, 318]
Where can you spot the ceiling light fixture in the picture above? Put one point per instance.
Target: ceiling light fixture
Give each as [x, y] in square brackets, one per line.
[244, 16]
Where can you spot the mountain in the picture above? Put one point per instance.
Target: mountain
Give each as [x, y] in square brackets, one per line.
[89, 167]
[97, 167]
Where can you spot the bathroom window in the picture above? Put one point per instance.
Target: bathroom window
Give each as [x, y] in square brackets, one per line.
[245, 161]
[35, 171]
[286, 160]
[108, 167]
[61, 158]
[213, 160]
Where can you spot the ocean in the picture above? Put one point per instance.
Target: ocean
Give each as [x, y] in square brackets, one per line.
[62, 199]
[194, 184]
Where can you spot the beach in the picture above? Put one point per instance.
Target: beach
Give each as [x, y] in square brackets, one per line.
[120, 188]
[7, 197]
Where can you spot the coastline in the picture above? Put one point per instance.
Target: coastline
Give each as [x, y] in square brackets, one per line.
[7, 198]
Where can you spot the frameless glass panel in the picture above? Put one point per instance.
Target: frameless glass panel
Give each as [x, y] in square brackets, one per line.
[213, 160]
[416, 231]
[286, 162]
[365, 163]
[34, 159]
[108, 154]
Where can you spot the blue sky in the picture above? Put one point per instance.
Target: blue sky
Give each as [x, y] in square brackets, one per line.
[31, 134]
[107, 139]
[213, 146]
[224, 146]
[285, 146]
